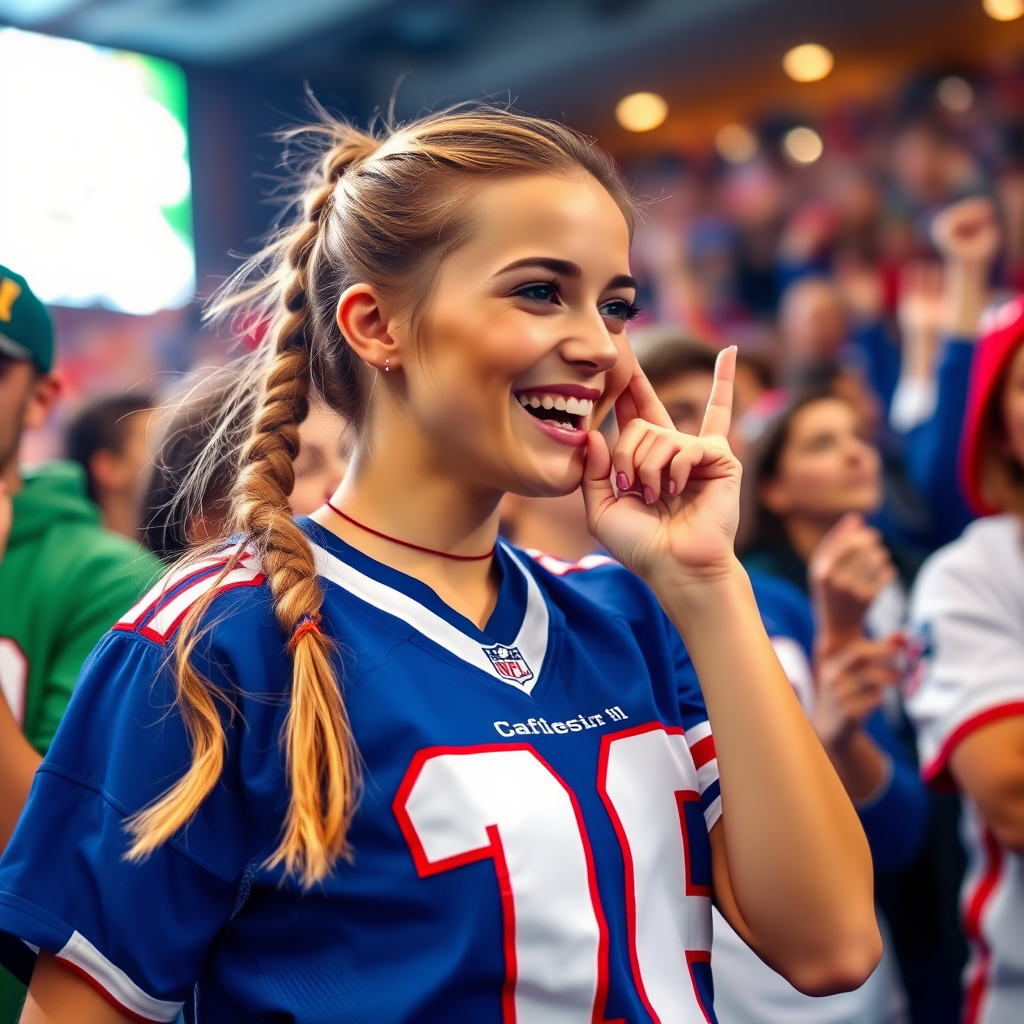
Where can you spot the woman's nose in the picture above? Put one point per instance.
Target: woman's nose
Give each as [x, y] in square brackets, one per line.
[590, 344]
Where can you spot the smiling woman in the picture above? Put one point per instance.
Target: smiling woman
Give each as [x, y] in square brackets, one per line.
[549, 749]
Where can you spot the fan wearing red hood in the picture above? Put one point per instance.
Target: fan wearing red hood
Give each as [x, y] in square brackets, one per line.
[965, 689]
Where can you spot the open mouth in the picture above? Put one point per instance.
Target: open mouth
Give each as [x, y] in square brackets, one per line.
[563, 412]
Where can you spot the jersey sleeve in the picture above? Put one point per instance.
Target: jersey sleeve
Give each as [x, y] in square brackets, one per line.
[107, 584]
[137, 931]
[966, 660]
[697, 727]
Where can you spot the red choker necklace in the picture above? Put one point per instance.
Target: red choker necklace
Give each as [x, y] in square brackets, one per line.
[405, 543]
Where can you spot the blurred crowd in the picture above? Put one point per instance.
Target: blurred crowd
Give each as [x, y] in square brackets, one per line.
[857, 288]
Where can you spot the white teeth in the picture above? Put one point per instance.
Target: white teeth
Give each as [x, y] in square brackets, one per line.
[573, 406]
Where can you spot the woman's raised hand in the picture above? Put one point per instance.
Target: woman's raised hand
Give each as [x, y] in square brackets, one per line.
[672, 513]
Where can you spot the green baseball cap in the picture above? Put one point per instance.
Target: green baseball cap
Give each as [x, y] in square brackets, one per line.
[26, 331]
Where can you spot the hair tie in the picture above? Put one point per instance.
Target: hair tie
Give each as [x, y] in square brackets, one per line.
[307, 624]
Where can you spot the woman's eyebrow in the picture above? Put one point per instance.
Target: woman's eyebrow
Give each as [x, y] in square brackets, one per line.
[565, 268]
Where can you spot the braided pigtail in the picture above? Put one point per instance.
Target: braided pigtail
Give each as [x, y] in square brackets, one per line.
[384, 210]
[322, 761]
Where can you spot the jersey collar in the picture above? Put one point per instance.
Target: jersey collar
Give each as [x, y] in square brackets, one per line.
[512, 655]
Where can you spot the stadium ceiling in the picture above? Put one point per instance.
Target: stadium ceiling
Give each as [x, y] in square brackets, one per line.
[191, 31]
[229, 32]
[564, 58]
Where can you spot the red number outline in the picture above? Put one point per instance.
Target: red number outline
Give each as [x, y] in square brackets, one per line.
[682, 796]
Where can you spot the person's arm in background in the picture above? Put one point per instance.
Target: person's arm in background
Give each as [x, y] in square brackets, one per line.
[988, 765]
[870, 341]
[919, 312]
[965, 694]
[852, 671]
[967, 236]
[18, 761]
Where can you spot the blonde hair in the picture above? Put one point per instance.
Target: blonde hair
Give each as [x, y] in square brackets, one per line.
[382, 207]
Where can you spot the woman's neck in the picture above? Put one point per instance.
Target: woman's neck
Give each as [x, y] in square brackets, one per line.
[388, 491]
[806, 533]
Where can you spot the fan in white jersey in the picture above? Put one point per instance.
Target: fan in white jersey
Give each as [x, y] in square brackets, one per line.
[965, 689]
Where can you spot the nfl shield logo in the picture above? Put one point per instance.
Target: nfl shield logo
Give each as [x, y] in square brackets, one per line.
[509, 663]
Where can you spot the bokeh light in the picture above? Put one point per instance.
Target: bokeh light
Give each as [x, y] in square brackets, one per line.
[641, 111]
[809, 62]
[955, 94]
[1003, 10]
[736, 143]
[802, 145]
[101, 213]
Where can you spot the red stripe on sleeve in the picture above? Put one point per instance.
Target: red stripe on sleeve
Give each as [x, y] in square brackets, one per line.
[935, 772]
[703, 751]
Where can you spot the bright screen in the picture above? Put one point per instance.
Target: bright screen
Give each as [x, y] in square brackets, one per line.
[95, 189]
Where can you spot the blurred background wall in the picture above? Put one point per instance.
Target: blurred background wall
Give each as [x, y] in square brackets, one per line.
[745, 166]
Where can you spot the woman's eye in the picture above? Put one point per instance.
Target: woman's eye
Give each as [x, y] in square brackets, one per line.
[820, 444]
[542, 292]
[620, 309]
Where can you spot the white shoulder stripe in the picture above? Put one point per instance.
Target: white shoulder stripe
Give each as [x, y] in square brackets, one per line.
[167, 619]
[713, 812]
[698, 732]
[81, 953]
[532, 640]
[171, 614]
[558, 567]
[162, 586]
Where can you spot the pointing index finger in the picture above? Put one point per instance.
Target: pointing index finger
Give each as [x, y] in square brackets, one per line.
[718, 417]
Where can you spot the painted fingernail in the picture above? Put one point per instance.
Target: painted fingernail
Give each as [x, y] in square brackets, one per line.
[649, 495]
[621, 482]
[671, 487]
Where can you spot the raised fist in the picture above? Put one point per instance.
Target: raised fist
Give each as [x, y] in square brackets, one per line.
[968, 232]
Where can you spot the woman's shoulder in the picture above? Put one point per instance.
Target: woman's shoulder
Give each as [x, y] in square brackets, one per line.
[987, 560]
[238, 642]
[596, 577]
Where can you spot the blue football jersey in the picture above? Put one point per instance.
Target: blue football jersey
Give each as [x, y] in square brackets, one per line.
[531, 844]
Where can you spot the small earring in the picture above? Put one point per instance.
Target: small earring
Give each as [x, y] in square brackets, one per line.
[386, 367]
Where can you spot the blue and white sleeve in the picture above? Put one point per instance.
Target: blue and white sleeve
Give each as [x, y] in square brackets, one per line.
[697, 729]
[137, 931]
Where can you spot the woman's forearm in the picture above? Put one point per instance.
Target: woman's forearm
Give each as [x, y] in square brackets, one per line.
[861, 766]
[59, 996]
[799, 865]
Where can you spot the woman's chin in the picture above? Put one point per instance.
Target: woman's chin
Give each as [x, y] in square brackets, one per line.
[550, 482]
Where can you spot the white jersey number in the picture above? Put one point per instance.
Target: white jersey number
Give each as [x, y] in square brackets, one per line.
[505, 803]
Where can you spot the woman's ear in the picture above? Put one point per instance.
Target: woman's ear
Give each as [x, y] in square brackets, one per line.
[364, 320]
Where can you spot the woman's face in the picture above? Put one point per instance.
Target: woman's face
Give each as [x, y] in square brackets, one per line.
[522, 347]
[1013, 406]
[826, 468]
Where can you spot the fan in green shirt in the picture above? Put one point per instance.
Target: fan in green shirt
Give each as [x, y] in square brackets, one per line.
[64, 580]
